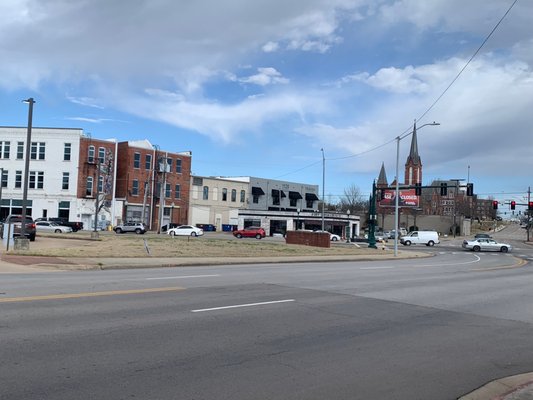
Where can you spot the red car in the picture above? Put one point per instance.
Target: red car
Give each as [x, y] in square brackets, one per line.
[252, 231]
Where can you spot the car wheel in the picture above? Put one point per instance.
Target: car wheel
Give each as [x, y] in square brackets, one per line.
[258, 236]
[118, 230]
[238, 236]
[138, 231]
[407, 243]
[57, 231]
[504, 249]
[32, 238]
[333, 239]
[193, 234]
[476, 248]
[172, 233]
[431, 243]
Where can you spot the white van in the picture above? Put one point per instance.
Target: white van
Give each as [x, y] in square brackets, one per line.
[429, 238]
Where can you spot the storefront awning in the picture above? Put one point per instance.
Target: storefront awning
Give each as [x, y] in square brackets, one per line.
[295, 195]
[257, 191]
[311, 196]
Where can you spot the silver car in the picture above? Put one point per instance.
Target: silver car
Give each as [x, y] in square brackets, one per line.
[483, 244]
[45, 226]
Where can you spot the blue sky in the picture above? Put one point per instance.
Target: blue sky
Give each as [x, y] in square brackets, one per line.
[260, 87]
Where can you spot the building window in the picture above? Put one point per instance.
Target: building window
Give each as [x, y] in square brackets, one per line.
[275, 197]
[5, 148]
[90, 155]
[255, 199]
[37, 150]
[64, 185]
[137, 160]
[233, 195]
[100, 184]
[36, 180]
[167, 190]
[3, 178]
[169, 164]
[101, 155]
[206, 193]
[178, 166]
[66, 152]
[177, 192]
[18, 179]
[135, 187]
[224, 194]
[148, 162]
[89, 186]
[243, 196]
[20, 150]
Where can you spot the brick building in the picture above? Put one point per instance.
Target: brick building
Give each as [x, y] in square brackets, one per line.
[148, 178]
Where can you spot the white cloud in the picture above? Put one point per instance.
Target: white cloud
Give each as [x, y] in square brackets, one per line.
[266, 76]
[270, 47]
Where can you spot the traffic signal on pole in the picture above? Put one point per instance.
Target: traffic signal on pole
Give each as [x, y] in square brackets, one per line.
[469, 189]
[418, 189]
[443, 189]
[513, 205]
[495, 205]
[530, 206]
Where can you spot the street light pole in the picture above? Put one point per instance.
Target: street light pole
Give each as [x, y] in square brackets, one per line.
[323, 185]
[397, 189]
[30, 101]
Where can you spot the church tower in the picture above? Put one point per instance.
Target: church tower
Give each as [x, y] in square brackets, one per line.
[413, 165]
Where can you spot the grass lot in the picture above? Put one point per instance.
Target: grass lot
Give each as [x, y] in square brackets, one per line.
[79, 244]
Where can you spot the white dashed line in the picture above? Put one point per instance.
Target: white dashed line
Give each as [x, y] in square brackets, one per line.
[242, 305]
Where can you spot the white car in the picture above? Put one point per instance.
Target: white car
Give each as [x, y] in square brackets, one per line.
[44, 226]
[483, 244]
[185, 230]
[333, 237]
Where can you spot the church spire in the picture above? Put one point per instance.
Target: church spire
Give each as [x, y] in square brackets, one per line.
[382, 179]
[413, 165]
[414, 157]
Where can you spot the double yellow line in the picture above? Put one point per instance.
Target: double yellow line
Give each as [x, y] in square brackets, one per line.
[88, 294]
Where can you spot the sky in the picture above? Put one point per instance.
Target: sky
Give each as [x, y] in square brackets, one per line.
[270, 88]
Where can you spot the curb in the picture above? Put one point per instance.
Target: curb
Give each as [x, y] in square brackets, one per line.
[504, 388]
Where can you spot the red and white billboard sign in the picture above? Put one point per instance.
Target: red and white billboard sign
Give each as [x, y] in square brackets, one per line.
[408, 198]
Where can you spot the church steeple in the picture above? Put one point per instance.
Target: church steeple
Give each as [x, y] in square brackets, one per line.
[413, 165]
[382, 179]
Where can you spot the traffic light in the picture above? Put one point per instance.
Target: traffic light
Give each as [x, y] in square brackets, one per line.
[530, 206]
[513, 205]
[418, 189]
[443, 189]
[495, 205]
[469, 189]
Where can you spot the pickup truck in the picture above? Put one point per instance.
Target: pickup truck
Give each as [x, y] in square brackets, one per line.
[76, 226]
[16, 220]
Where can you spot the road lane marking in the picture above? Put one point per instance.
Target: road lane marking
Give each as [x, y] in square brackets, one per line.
[243, 305]
[181, 277]
[521, 262]
[89, 294]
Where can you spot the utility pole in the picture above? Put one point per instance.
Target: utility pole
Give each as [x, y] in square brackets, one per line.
[162, 194]
[528, 212]
[1, 182]
[30, 101]
[323, 185]
[97, 201]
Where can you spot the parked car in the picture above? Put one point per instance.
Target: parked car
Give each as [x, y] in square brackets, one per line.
[30, 231]
[137, 227]
[486, 245]
[482, 236]
[207, 227]
[166, 227]
[332, 236]
[51, 227]
[251, 231]
[75, 225]
[429, 238]
[185, 230]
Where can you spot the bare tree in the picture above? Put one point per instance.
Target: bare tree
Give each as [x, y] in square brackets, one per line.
[353, 200]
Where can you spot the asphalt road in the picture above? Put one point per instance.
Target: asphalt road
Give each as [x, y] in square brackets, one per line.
[433, 328]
